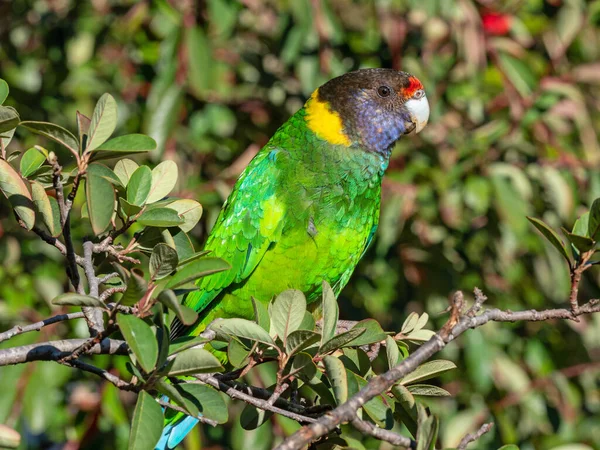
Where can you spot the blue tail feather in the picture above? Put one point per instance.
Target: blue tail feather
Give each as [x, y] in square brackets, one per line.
[174, 432]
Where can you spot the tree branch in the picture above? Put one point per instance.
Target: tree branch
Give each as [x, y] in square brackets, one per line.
[472, 437]
[379, 384]
[57, 350]
[37, 326]
[118, 382]
[212, 423]
[93, 316]
[384, 435]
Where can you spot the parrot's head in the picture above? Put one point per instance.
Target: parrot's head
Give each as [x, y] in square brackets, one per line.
[369, 108]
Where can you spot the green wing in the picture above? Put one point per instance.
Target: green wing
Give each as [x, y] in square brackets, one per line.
[249, 223]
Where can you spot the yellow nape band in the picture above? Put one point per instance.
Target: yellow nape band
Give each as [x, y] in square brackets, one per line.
[324, 122]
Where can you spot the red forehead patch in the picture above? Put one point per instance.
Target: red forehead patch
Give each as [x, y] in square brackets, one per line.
[413, 86]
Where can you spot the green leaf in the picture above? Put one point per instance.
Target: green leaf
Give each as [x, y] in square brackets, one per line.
[237, 354]
[3, 90]
[73, 299]
[83, 127]
[261, 314]
[336, 372]
[581, 226]
[594, 221]
[104, 121]
[392, 352]
[519, 73]
[174, 393]
[160, 217]
[184, 342]
[136, 288]
[31, 161]
[303, 363]
[147, 423]
[128, 209]
[129, 144]
[242, 328]
[428, 370]
[299, 340]
[164, 178]
[373, 333]
[189, 210]
[124, 168]
[208, 401]
[194, 257]
[287, 312]
[427, 430]
[551, 236]
[428, 390]
[253, 417]
[183, 243]
[47, 208]
[15, 189]
[581, 243]
[163, 261]
[194, 360]
[100, 196]
[197, 269]
[308, 322]
[139, 186]
[141, 340]
[9, 119]
[330, 314]
[186, 315]
[55, 132]
[340, 340]
[406, 409]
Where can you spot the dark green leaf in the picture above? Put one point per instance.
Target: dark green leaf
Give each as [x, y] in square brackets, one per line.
[184, 342]
[136, 288]
[47, 208]
[208, 401]
[253, 417]
[303, 363]
[194, 360]
[3, 90]
[55, 132]
[428, 390]
[300, 339]
[9, 119]
[31, 161]
[147, 423]
[197, 269]
[120, 146]
[100, 196]
[340, 340]
[128, 209]
[186, 315]
[594, 221]
[163, 261]
[551, 236]
[427, 430]
[73, 299]
[237, 354]
[141, 340]
[261, 314]
[15, 189]
[581, 243]
[406, 408]
[104, 121]
[373, 333]
[160, 217]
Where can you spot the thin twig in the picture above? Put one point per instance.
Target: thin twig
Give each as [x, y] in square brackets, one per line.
[384, 435]
[472, 437]
[37, 326]
[107, 277]
[212, 423]
[111, 291]
[118, 382]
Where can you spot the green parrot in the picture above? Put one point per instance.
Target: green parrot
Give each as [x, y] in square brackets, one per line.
[307, 206]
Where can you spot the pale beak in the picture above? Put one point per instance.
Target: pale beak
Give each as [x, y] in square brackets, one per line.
[419, 112]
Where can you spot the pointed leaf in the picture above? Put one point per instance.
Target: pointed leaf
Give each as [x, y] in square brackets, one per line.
[551, 236]
[186, 315]
[100, 196]
[594, 221]
[163, 261]
[428, 370]
[253, 417]
[340, 340]
[237, 354]
[208, 401]
[47, 211]
[141, 340]
[330, 314]
[9, 119]
[104, 121]
[31, 161]
[83, 126]
[242, 328]
[124, 168]
[73, 299]
[300, 339]
[392, 352]
[136, 288]
[581, 243]
[287, 312]
[581, 226]
[197, 269]
[428, 390]
[147, 423]
[160, 217]
[139, 186]
[373, 333]
[189, 210]
[128, 209]
[336, 372]
[184, 342]
[164, 178]
[129, 144]
[15, 189]
[3, 90]
[55, 132]
[261, 314]
[303, 363]
[194, 360]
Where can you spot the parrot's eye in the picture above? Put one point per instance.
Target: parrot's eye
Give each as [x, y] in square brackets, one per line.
[384, 91]
[419, 94]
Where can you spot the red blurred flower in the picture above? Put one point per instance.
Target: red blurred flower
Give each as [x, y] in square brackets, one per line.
[496, 23]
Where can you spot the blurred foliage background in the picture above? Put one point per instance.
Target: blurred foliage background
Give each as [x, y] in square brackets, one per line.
[514, 88]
